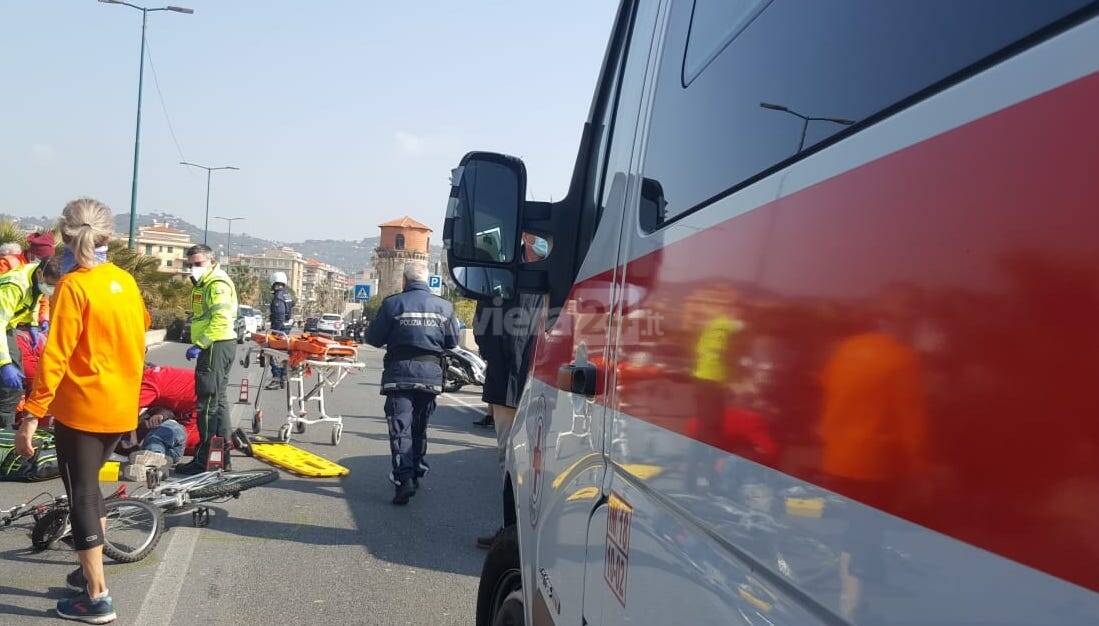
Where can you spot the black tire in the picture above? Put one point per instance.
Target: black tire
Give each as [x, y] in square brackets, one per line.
[142, 517]
[501, 577]
[257, 422]
[232, 483]
[452, 386]
[49, 528]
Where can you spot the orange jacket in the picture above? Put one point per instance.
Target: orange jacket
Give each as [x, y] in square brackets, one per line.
[874, 423]
[89, 377]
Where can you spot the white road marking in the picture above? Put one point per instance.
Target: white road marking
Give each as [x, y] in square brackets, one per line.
[480, 406]
[162, 597]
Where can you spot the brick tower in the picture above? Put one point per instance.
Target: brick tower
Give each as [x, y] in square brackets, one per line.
[403, 241]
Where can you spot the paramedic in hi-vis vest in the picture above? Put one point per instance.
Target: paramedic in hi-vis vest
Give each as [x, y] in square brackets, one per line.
[21, 291]
[214, 310]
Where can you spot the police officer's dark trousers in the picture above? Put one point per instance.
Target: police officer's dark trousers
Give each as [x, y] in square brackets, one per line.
[211, 385]
[408, 412]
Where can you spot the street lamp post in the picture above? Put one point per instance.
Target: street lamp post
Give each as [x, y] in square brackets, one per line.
[229, 238]
[805, 119]
[140, 82]
[206, 226]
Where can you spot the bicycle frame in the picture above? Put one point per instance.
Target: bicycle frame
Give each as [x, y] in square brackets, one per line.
[175, 493]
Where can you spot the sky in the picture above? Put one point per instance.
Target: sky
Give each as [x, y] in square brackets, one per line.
[340, 114]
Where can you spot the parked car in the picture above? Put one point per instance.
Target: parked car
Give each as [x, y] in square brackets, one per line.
[248, 321]
[311, 324]
[330, 323]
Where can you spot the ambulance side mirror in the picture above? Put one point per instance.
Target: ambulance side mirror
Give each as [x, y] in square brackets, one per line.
[481, 232]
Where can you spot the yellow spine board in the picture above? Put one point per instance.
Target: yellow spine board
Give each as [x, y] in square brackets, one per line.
[297, 461]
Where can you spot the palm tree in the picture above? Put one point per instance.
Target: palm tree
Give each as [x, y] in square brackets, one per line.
[11, 233]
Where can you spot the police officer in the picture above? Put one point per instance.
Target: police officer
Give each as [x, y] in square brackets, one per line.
[214, 308]
[282, 307]
[415, 326]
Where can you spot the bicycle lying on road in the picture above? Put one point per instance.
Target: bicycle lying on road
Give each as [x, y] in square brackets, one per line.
[135, 522]
[134, 526]
[177, 494]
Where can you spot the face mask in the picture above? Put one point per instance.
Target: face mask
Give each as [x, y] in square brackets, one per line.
[45, 289]
[101, 254]
[540, 247]
[197, 273]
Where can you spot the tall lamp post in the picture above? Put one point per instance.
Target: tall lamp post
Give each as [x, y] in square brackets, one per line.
[140, 81]
[206, 227]
[805, 119]
[229, 239]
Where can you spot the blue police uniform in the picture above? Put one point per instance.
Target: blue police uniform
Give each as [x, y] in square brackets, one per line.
[415, 326]
[282, 306]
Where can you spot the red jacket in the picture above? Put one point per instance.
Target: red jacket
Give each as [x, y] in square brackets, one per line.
[172, 388]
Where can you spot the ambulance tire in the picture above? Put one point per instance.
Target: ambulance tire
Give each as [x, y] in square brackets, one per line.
[498, 604]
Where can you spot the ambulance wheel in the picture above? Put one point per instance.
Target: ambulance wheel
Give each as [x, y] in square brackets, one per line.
[500, 592]
[257, 422]
[337, 432]
[284, 433]
[299, 428]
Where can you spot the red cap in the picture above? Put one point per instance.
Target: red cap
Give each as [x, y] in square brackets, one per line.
[41, 245]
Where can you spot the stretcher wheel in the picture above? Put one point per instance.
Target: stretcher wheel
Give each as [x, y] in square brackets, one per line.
[257, 422]
[299, 428]
[284, 433]
[337, 432]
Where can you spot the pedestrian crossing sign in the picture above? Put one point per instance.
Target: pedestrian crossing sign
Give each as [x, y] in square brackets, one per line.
[362, 293]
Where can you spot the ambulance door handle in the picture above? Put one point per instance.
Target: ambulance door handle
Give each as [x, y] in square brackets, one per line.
[583, 379]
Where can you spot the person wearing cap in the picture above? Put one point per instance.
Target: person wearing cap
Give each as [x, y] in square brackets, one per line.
[282, 307]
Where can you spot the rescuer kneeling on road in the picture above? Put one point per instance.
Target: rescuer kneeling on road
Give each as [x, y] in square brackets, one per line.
[415, 327]
[214, 305]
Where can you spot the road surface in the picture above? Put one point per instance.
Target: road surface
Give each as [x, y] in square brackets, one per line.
[301, 550]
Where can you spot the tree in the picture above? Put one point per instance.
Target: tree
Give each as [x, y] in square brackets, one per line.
[11, 233]
[247, 283]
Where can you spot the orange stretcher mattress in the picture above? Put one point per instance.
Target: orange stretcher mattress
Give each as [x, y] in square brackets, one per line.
[321, 346]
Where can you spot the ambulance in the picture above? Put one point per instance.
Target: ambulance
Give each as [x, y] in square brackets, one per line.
[814, 336]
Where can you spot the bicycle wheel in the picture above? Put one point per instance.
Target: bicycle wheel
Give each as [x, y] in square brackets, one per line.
[134, 527]
[232, 483]
[49, 528]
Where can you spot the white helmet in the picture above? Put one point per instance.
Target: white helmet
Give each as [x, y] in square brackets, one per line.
[279, 277]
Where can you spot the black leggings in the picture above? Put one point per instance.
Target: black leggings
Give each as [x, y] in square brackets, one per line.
[79, 456]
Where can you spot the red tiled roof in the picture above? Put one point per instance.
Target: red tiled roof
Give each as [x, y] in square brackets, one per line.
[405, 222]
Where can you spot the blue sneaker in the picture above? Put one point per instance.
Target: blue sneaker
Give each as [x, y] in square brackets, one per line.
[82, 608]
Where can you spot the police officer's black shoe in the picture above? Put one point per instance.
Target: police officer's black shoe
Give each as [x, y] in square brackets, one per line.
[190, 469]
[404, 492]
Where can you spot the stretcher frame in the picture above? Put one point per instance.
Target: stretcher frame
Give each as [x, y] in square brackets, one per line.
[330, 371]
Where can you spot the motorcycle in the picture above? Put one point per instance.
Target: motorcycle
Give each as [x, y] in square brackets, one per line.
[460, 368]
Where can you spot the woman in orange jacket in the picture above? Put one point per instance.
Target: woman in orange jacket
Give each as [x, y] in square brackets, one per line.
[89, 379]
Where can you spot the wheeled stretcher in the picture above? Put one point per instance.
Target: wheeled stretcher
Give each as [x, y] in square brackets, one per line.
[303, 357]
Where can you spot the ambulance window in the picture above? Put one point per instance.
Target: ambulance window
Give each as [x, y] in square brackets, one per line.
[755, 69]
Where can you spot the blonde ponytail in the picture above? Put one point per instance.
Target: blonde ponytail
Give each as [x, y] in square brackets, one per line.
[85, 224]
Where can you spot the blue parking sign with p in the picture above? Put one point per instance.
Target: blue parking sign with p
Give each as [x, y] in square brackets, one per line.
[435, 281]
[362, 293]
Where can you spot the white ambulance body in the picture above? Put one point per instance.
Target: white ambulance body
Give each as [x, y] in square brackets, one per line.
[813, 337]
